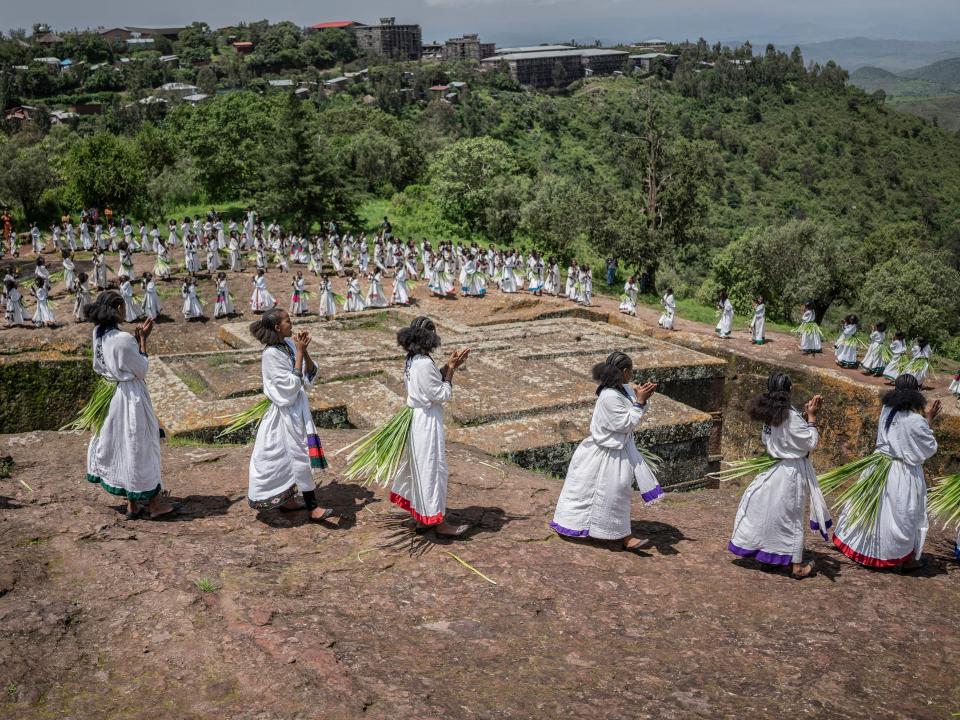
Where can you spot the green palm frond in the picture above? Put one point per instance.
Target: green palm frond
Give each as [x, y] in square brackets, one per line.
[810, 326]
[862, 496]
[741, 468]
[378, 455]
[94, 413]
[944, 500]
[251, 416]
[651, 458]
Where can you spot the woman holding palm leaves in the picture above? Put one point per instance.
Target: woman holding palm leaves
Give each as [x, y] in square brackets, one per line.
[895, 534]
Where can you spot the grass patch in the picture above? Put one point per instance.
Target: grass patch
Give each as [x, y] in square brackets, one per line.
[192, 380]
[206, 585]
[6, 466]
[33, 542]
[231, 209]
[374, 321]
[221, 359]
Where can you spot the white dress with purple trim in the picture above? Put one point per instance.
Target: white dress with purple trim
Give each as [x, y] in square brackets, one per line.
[287, 449]
[596, 494]
[901, 526]
[770, 520]
[420, 486]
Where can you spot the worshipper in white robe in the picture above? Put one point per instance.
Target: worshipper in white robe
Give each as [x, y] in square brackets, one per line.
[400, 294]
[551, 284]
[41, 271]
[81, 295]
[597, 492]
[535, 274]
[99, 269]
[810, 333]
[904, 434]
[770, 521]
[759, 321]
[473, 285]
[585, 295]
[669, 304]
[298, 297]
[508, 281]
[13, 303]
[354, 299]
[235, 254]
[420, 486]
[131, 308]
[124, 457]
[223, 307]
[845, 348]
[261, 300]
[328, 299]
[192, 309]
[898, 346]
[873, 362]
[151, 300]
[287, 450]
[69, 269]
[42, 315]
[725, 325]
[628, 301]
[213, 257]
[919, 364]
[126, 259]
[36, 239]
[161, 267]
[375, 296]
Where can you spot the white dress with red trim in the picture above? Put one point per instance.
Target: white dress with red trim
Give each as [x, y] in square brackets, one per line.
[420, 486]
[287, 449]
[901, 526]
[769, 526]
[596, 494]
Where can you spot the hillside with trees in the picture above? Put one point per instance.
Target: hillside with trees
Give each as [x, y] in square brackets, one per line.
[757, 172]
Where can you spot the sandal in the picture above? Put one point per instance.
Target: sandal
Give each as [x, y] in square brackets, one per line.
[326, 514]
[136, 513]
[458, 530]
[806, 572]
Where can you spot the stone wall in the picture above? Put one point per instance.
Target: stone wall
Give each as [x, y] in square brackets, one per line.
[43, 391]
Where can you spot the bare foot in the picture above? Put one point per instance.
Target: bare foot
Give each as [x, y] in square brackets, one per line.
[318, 513]
[800, 571]
[159, 507]
[445, 529]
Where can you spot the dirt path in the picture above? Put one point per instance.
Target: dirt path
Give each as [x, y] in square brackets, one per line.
[101, 618]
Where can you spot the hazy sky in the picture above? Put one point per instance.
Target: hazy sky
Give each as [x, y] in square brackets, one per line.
[515, 21]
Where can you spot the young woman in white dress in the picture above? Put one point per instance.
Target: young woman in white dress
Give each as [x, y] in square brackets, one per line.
[596, 496]
[223, 307]
[328, 301]
[770, 521]
[898, 346]
[124, 457]
[872, 363]
[298, 296]
[43, 315]
[132, 309]
[669, 304]
[725, 325]
[628, 303]
[810, 333]
[759, 321]
[287, 450]
[420, 487]
[192, 309]
[151, 300]
[845, 348]
[261, 300]
[904, 433]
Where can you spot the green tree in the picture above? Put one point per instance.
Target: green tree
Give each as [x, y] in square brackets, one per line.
[25, 174]
[552, 217]
[104, 169]
[463, 176]
[300, 183]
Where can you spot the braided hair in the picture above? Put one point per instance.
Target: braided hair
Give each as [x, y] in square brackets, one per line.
[772, 407]
[609, 373]
[420, 338]
[102, 312]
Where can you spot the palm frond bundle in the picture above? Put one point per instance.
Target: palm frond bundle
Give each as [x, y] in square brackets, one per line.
[944, 500]
[885, 353]
[741, 468]
[810, 326]
[251, 416]
[861, 497]
[378, 455]
[409, 285]
[918, 365]
[651, 459]
[94, 413]
[339, 299]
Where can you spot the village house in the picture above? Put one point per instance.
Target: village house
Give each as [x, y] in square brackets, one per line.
[349, 25]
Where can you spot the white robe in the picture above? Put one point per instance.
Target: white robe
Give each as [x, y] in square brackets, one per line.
[629, 303]
[669, 304]
[43, 315]
[758, 322]
[375, 296]
[280, 462]
[725, 326]
[328, 303]
[770, 520]
[151, 301]
[845, 348]
[261, 300]
[596, 494]
[223, 307]
[298, 299]
[400, 294]
[871, 360]
[354, 301]
[901, 526]
[809, 340]
[897, 349]
[191, 305]
[420, 486]
[125, 457]
[131, 308]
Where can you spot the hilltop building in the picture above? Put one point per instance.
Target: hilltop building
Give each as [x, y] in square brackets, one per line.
[601, 61]
[399, 42]
[349, 25]
[555, 65]
[467, 47]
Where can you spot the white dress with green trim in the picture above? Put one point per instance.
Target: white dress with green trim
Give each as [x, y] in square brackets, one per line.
[124, 458]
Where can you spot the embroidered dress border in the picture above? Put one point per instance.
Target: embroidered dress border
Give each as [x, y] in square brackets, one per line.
[866, 559]
[760, 555]
[275, 501]
[318, 460]
[561, 530]
[121, 492]
[405, 504]
[814, 525]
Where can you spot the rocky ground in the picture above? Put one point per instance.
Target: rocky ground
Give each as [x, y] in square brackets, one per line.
[101, 617]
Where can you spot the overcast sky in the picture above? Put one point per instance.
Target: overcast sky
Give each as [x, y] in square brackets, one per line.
[515, 21]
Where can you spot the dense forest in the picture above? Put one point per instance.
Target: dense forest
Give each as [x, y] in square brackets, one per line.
[755, 172]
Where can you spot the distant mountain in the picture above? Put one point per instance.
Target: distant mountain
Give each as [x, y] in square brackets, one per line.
[893, 55]
[936, 79]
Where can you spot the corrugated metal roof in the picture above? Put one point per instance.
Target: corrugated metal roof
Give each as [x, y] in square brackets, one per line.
[334, 24]
[532, 48]
[534, 55]
[595, 52]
